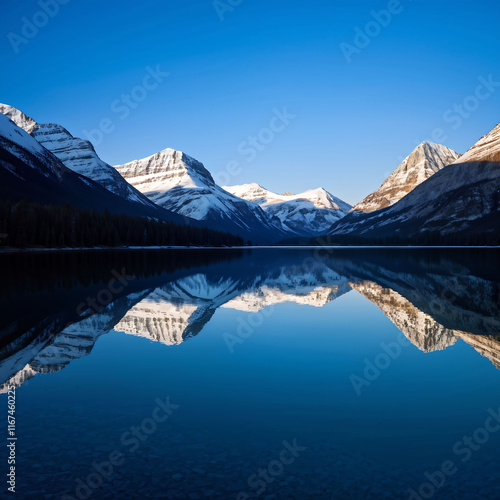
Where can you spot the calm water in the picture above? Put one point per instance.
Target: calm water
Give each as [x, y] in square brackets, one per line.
[253, 373]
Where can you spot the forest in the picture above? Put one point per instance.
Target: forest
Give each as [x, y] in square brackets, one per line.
[31, 225]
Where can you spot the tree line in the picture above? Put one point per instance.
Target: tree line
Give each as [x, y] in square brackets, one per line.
[32, 225]
[426, 238]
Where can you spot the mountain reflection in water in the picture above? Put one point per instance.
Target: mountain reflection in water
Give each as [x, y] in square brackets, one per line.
[434, 297]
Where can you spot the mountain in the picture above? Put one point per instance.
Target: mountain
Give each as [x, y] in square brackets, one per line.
[76, 154]
[460, 202]
[29, 170]
[306, 214]
[177, 182]
[424, 161]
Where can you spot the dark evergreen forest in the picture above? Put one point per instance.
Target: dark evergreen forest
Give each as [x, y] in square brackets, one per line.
[32, 225]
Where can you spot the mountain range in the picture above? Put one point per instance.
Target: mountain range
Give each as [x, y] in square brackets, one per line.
[434, 195]
[175, 181]
[309, 213]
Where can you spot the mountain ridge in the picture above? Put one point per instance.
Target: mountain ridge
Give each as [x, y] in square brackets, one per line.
[424, 161]
[306, 214]
[176, 181]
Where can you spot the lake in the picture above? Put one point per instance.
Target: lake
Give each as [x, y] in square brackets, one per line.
[252, 373]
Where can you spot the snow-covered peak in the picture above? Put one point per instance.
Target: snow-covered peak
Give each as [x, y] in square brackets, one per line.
[423, 162]
[10, 131]
[18, 117]
[309, 213]
[254, 192]
[250, 192]
[169, 166]
[176, 181]
[76, 154]
[486, 149]
[20, 143]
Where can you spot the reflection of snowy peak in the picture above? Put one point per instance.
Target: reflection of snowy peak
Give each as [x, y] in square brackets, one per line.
[267, 296]
[179, 310]
[487, 346]
[420, 328]
[75, 341]
[311, 289]
[309, 213]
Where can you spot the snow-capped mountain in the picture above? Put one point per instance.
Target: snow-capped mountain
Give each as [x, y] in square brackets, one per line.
[29, 170]
[424, 161]
[177, 182]
[76, 154]
[306, 214]
[462, 199]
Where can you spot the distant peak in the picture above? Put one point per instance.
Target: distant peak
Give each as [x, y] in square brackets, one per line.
[252, 186]
[287, 193]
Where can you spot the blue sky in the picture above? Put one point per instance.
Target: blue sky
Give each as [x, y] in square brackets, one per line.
[349, 124]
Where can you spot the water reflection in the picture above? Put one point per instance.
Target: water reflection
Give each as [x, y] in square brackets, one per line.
[433, 297]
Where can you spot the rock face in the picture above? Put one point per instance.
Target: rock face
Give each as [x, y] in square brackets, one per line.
[29, 170]
[76, 154]
[424, 161]
[177, 182]
[461, 199]
[306, 214]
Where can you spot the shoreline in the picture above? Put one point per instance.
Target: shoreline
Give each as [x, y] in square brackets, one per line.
[11, 250]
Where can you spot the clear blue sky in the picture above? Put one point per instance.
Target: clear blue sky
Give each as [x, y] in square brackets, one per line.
[353, 122]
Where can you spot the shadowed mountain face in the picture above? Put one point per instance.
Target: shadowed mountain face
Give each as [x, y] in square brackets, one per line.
[460, 200]
[435, 298]
[424, 161]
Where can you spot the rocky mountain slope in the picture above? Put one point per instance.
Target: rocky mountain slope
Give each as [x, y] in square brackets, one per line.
[424, 161]
[76, 154]
[462, 199]
[177, 182]
[306, 214]
[29, 170]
